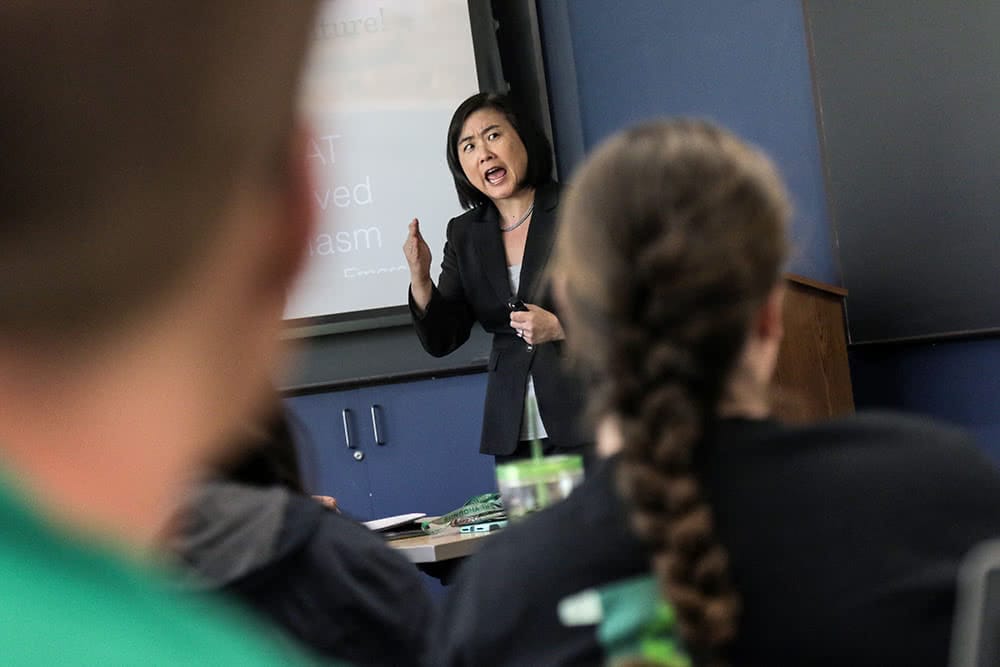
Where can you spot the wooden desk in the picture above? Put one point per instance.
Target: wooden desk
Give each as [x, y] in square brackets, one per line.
[444, 546]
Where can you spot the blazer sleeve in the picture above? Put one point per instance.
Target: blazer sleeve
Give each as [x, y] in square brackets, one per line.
[447, 321]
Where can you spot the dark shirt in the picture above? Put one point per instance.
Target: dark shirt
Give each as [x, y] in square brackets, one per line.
[844, 540]
[328, 581]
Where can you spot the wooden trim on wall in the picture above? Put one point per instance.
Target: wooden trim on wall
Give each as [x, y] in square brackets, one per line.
[815, 284]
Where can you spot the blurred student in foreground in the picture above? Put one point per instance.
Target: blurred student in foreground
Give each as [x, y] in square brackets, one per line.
[154, 210]
[713, 535]
[249, 529]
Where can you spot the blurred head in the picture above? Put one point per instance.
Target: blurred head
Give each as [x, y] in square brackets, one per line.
[154, 205]
[494, 151]
[670, 250]
[263, 455]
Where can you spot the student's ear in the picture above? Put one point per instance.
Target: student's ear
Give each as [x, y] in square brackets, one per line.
[769, 325]
[557, 279]
[296, 212]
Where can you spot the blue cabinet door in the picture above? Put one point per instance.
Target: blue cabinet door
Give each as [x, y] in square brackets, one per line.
[429, 458]
[329, 466]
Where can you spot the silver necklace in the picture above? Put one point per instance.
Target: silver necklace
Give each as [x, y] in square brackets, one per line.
[520, 221]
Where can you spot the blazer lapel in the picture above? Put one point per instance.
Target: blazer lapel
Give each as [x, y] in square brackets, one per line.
[538, 246]
[489, 247]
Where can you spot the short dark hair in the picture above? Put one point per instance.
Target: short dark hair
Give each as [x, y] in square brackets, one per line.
[535, 143]
[264, 455]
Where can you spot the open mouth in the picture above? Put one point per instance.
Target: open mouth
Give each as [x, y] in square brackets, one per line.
[495, 175]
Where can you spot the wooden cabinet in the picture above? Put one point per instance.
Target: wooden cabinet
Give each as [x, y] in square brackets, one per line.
[407, 447]
[812, 380]
[331, 456]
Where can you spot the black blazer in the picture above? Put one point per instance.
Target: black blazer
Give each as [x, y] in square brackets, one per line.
[474, 287]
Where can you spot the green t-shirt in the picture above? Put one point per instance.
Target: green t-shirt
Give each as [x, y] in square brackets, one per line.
[67, 600]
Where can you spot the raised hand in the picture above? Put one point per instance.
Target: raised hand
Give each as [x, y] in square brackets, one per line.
[418, 257]
[418, 253]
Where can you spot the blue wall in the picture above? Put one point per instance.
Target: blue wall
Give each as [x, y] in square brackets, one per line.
[958, 381]
[743, 64]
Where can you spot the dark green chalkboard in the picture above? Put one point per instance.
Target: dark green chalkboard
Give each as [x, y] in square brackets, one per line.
[908, 93]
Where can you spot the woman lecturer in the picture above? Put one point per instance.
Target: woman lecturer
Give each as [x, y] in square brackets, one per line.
[492, 273]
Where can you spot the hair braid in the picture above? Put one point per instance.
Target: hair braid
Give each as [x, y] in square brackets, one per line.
[673, 237]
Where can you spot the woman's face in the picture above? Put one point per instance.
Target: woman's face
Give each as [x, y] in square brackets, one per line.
[492, 154]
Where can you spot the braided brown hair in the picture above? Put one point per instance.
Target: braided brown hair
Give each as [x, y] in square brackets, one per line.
[672, 237]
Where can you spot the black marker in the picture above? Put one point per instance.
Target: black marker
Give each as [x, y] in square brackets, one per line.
[515, 305]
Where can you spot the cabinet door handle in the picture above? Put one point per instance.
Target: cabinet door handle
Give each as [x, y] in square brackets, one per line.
[376, 425]
[346, 414]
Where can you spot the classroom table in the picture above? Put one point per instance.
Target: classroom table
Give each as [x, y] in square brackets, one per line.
[439, 555]
[446, 545]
